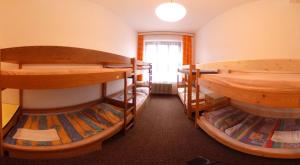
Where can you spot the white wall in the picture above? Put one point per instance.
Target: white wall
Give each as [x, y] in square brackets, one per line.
[263, 29]
[76, 23]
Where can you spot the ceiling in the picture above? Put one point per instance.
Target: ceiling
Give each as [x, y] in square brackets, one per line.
[140, 14]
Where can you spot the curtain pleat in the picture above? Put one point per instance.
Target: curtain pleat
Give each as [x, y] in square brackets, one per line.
[140, 53]
[187, 50]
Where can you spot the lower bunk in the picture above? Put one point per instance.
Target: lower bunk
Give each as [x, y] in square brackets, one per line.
[184, 95]
[142, 96]
[206, 101]
[260, 136]
[65, 134]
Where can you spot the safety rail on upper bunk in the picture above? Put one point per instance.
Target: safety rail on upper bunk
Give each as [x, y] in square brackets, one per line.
[62, 78]
[256, 106]
[192, 98]
[265, 88]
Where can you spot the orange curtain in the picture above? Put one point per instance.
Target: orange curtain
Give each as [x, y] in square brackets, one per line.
[187, 50]
[140, 53]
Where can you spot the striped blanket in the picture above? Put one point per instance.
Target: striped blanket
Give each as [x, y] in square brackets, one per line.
[253, 130]
[71, 127]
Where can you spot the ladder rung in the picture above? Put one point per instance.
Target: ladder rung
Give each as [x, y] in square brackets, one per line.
[129, 126]
[129, 110]
[130, 98]
[131, 85]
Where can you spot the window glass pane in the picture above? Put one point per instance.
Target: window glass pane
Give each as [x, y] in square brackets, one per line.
[165, 57]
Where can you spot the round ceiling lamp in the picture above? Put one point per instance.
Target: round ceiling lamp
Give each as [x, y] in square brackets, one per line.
[170, 11]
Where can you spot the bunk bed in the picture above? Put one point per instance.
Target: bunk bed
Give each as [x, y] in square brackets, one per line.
[263, 115]
[188, 88]
[141, 67]
[143, 89]
[67, 131]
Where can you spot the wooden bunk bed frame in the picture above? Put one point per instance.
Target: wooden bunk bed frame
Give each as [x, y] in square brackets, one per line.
[60, 79]
[125, 103]
[141, 66]
[138, 67]
[190, 80]
[266, 83]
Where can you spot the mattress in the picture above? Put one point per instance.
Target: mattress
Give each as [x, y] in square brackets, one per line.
[253, 130]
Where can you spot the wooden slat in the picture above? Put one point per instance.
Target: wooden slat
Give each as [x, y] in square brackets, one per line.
[61, 109]
[142, 63]
[59, 79]
[60, 55]
[131, 86]
[129, 110]
[130, 126]
[283, 65]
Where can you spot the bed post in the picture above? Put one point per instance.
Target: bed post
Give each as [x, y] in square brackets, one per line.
[190, 90]
[125, 102]
[1, 131]
[21, 93]
[103, 90]
[185, 80]
[150, 78]
[197, 97]
[197, 88]
[134, 67]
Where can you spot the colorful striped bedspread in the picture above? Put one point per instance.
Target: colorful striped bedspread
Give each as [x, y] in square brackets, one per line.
[71, 127]
[250, 129]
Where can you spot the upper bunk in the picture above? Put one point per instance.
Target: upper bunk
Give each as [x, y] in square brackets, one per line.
[271, 83]
[192, 69]
[142, 65]
[60, 78]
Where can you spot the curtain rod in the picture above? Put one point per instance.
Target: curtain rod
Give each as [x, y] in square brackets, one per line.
[166, 33]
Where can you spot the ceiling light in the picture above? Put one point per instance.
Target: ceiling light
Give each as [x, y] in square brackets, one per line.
[170, 12]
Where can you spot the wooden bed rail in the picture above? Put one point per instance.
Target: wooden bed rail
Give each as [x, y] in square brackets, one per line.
[276, 65]
[142, 63]
[272, 83]
[59, 55]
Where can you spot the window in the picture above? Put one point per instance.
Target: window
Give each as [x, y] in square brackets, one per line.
[166, 57]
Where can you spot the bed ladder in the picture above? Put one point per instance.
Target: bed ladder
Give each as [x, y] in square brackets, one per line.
[130, 108]
[150, 78]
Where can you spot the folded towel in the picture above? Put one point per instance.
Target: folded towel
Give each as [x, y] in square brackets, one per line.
[36, 135]
[286, 136]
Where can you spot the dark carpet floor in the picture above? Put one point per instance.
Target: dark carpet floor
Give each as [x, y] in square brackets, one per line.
[162, 136]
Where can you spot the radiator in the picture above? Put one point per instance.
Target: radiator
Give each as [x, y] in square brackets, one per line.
[159, 88]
